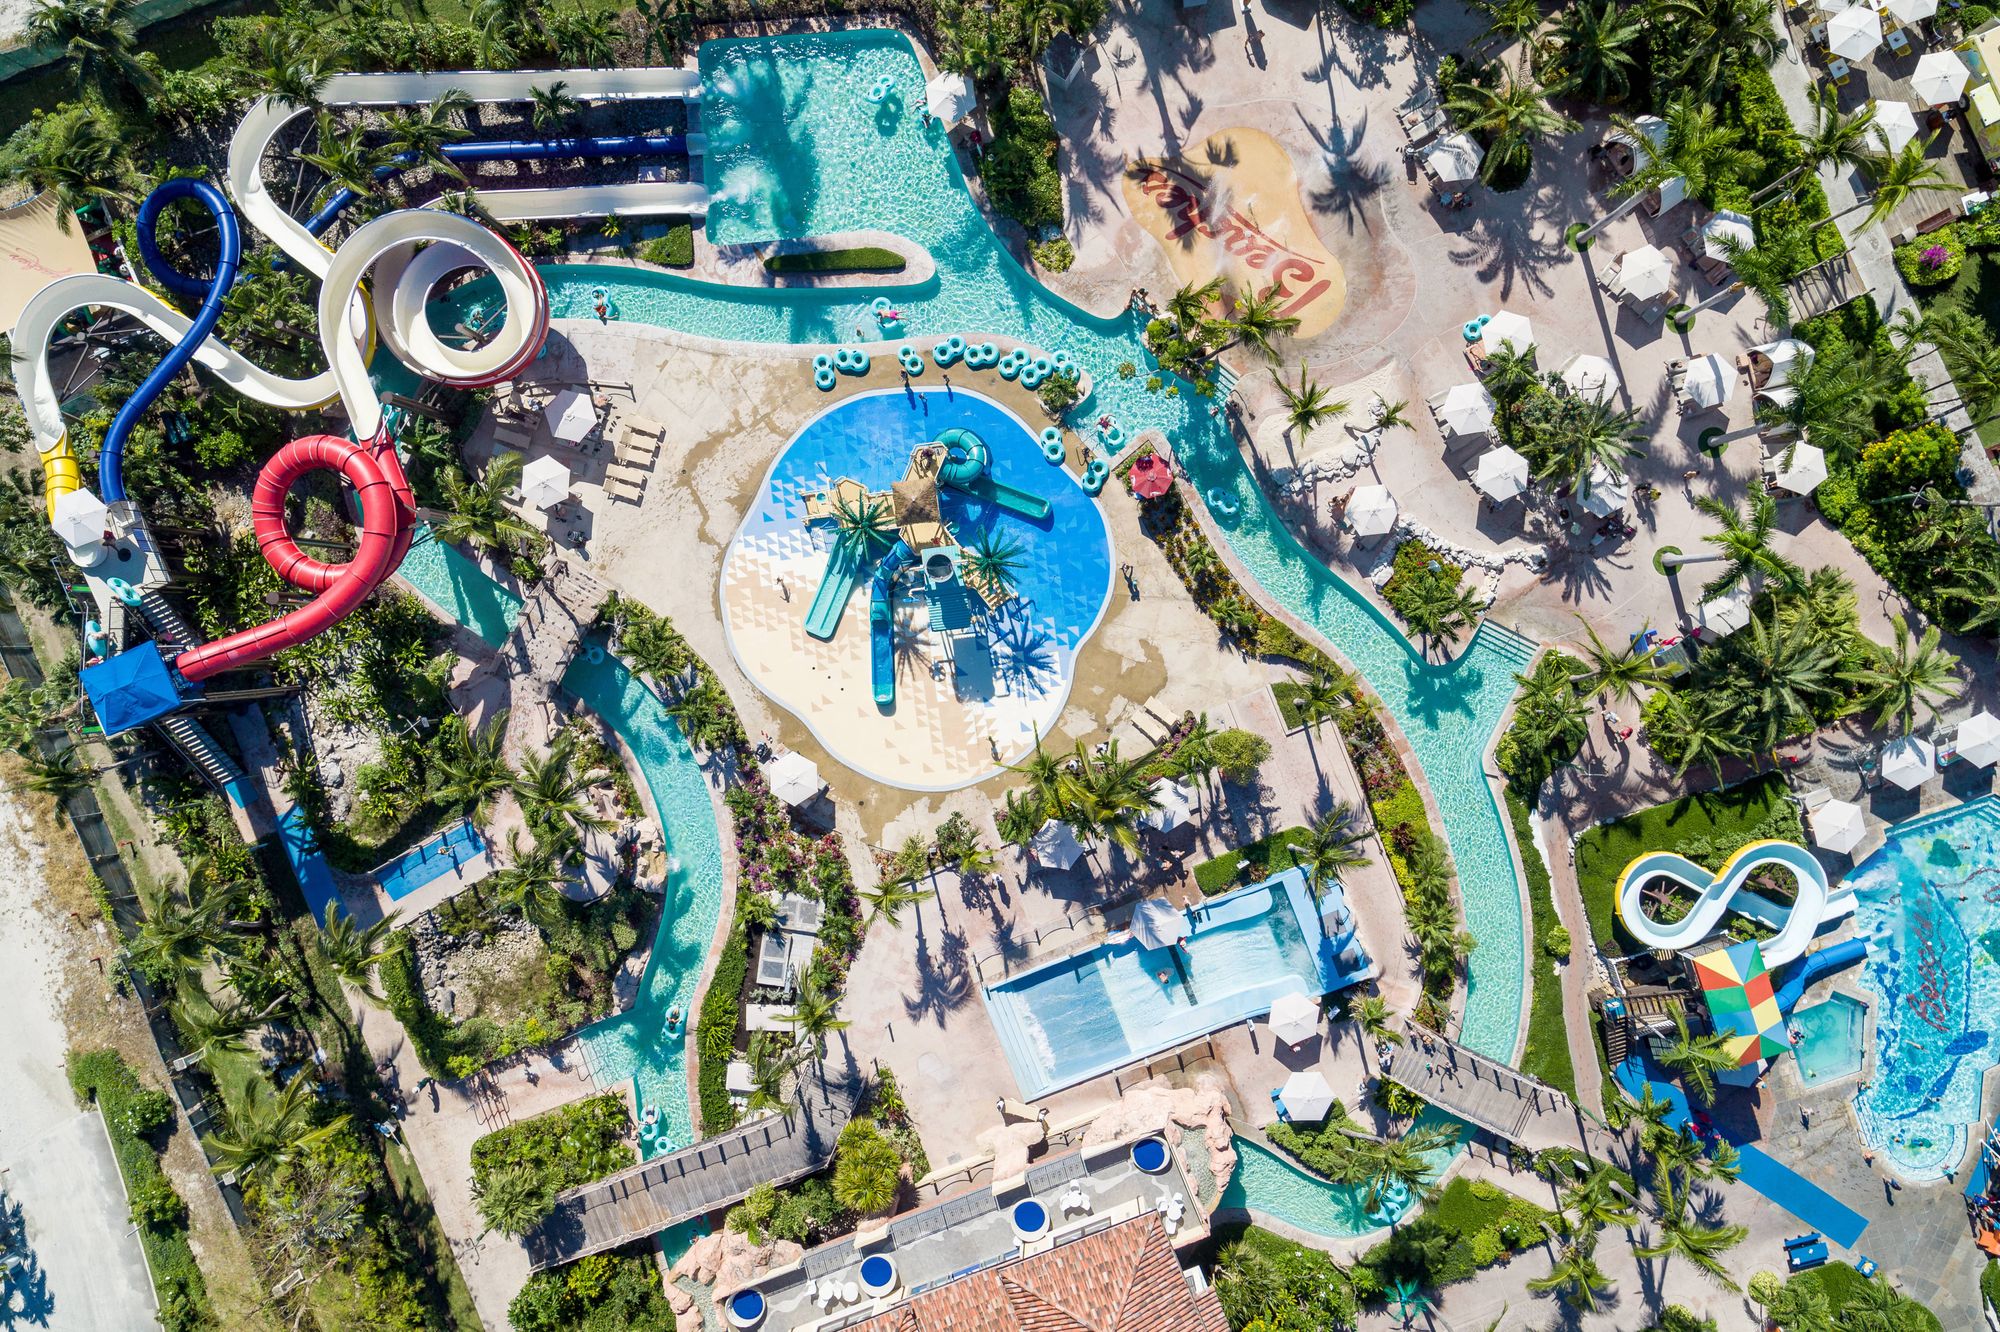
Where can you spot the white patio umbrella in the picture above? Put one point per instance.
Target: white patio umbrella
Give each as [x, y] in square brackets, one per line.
[1466, 409]
[1507, 327]
[950, 98]
[1910, 762]
[1710, 381]
[1454, 159]
[1306, 1095]
[1155, 924]
[1372, 511]
[545, 482]
[793, 778]
[1940, 78]
[1605, 492]
[1894, 125]
[1294, 1017]
[1837, 825]
[1646, 274]
[1055, 845]
[80, 518]
[571, 415]
[1911, 11]
[1853, 33]
[1590, 376]
[1979, 739]
[1806, 470]
[1176, 805]
[1726, 225]
[1726, 614]
[1501, 474]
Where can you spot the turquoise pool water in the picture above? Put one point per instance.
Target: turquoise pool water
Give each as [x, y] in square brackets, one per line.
[1830, 1038]
[425, 864]
[1269, 1183]
[1928, 903]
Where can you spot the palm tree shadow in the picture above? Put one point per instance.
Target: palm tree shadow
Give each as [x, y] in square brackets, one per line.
[944, 980]
[1510, 253]
[1024, 654]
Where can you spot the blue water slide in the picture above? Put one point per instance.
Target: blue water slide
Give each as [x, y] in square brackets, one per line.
[111, 455]
[969, 468]
[882, 622]
[1814, 965]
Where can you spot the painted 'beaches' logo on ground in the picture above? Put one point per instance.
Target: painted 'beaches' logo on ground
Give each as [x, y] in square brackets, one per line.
[1230, 209]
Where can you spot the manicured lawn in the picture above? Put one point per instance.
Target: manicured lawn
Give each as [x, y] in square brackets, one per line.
[1705, 828]
[861, 259]
[1266, 856]
[1547, 1053]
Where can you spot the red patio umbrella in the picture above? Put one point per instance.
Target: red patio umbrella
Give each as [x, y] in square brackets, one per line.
[1151, 477]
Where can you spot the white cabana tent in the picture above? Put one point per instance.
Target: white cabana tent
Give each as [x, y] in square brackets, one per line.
[1176, 805]
[1645, 274]
[1654, 132]
[1979, 739]
[1305, 1095]
[1294, 1017]
[1371, 511]
[1590, 376]
[1726, 614]
[1726, 225]
[1606, 492]
[1940, 78]
[1909, 762]
[1501, 475]
[1894, 125]
[545, 482]
[1837, 825]
[1805, 471]
[1055, 845]
[1788, 359]
[1155, 924]
[1504, 328]
[793, 778]
[1454, 159]
[1466, 409]
[1710, 381]
[950, 98]
[1853, 33]
[571, 415]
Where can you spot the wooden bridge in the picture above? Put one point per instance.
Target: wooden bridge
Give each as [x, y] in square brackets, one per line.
[1488, 1094]
[667, 1190]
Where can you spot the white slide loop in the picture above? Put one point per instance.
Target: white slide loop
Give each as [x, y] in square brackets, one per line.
[1716, 893]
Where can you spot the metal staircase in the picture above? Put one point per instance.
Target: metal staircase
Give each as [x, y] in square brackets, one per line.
[193, 742]
[170, 630]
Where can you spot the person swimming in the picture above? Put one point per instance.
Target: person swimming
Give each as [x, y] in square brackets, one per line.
[674, 1018]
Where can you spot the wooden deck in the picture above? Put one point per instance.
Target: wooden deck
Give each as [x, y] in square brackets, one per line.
[1506, 1103]
[648, 1198]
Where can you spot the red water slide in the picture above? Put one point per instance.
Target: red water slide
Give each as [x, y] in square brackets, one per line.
[388, 519]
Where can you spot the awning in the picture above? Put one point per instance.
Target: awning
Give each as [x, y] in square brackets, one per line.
[1726, 614]
[1910, 762]
[1305, 1095]
[1986, 105]
[1605, 491]
[1055, 845]
[1742, 1002]
[130, 689]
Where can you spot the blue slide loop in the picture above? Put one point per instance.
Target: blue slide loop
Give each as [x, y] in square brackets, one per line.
[111, 457]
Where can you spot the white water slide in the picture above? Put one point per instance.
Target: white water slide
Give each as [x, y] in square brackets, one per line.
[1717, 894]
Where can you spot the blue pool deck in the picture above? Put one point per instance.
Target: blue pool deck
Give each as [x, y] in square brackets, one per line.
[1086, 1013]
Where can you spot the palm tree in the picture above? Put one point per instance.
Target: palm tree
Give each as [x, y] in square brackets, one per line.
[97, 41]
[1697, 148]
[79, 159]
[345, 156]
[584, 38]
[1595, 40]
[186, 927]
[423, 134]
[353, 951]
[1701, 730]
[1189, 305]
[209, 1029]
[1257, 322]
[1763, 270]
[1835, 139]
[1577, 1276]
[470, 766]
[1108, 795]
[292, 74]
[269, 1129]
[532, 881]
[1591, 1203]
[1898, 177]
[1617, 673]
[1510, 373]
[1322, 695]
[814, 1013]
[1743, 546]
[1509, 116]
[475, 508]
[887, 899]
[1712, 37]
[552, 107]
[1308, 405]
[1509, 20]
[57, 773]
[554, 796]
[1979, 592]
[1383, 1167]
[1330, 845]
[1376, 1020]
[513, 1198]
[1681, 1234]
[1440, 610]
[1776, 675]
[1588, 436]
[866, 527]
[992, 561]
[1901, 679]
[771, 1065]
[1697, 1058]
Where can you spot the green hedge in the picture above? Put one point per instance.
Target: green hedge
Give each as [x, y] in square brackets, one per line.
[715, 1031]
[1843, 1287]
[127, 1104]
[673, 250]
[1547, 1053]
[574, 1145]
[1019, 166]
[1266, 856]
[1989, 1284]
[859, 259]
[1471, 1225]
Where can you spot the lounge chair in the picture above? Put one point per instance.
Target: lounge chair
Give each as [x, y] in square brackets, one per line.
[623, 490]
[631, 476]
[645, 425]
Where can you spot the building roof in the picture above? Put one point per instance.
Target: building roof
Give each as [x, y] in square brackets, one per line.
[1121, 1279]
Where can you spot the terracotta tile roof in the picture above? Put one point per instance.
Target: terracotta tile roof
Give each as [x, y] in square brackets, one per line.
[1122, 1279]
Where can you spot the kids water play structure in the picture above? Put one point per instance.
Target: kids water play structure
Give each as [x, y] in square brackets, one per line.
[1813, 905]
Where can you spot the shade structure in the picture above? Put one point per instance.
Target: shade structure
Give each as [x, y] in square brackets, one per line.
[1507, 329]
[1605, 491]
[1909, 762]
[1652, 137]
[1454, 159]
[80, 518]
[1152, 477]
[1789, 358]
[1710, 381]
[1466, 409]
[1804, 471]
[1726, 614]
[545, 482]
[1294, 1017]
[793, 778]
[1055, 845]
[1979, 739]
[1910, 11]
[1155, 924]
[1894, 125]
[1838, 825]
[1176, 805]
[1940, 78]
[1742, 1003]
[1726, 225]
[571, 415]
[1590, 376]
[1646, 274]
[130, 689]
[1371, 511]
[1306, 1095]
[950, 98]
[1502, 474]
[1853, 33]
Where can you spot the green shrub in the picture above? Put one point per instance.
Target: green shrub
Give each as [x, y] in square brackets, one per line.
[673, 250]
[1264, 1279]
[146, 1112]
[867, 1169]
[1060, 392]
[1056, 256]
[1019, 166]
[574, 1145]
[1239, 753]
[222, 450]
[859, 259]
[607, 1292]
[1925, 455]
[1471, 1224]
[1397, 1100]
[1546, 1055]
[1250, 863]
[1931, 260]
[1418, 572]
[715, 1031]
[1989, 1284]
[1543, 736]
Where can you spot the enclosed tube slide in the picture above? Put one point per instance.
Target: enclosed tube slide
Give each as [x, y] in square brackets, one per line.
[882, 622]
[970, 469]
[1827, 960]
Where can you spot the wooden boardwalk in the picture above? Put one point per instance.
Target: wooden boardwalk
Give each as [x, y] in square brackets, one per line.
[1483, 1092]
[648, 1198]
